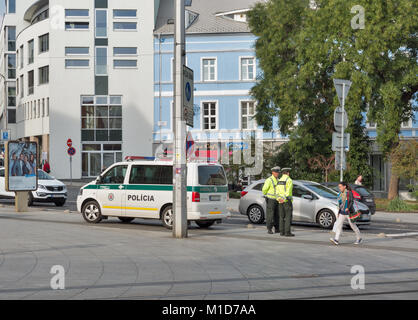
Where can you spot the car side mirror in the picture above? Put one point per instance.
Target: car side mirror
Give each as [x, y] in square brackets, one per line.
[307, 197]
[99, 180]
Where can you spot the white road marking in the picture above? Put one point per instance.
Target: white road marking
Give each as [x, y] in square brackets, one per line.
[398, 235]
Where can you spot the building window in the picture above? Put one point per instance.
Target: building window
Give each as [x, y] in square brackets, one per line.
[31, 81]
[44, 43]
[11, 38]
[21, 57]
[101, 61]
[76, 12]
[31, 51]
[41, 16]
[77, 51]
[124, 26]
[22, 87]
[11, 66]
[76, 26]
[209, 116]
[247, 69]
[101, 122]
[247, 115]
[125, 63]
[44, 75]
[11, 115]
[209, 69]
[407, 124]
[11, 6]
[123, 13]
[101, 23]
[125, 51]
[77, 63]
[11, 95]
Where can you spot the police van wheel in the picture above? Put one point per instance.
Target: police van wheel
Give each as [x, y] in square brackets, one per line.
[126, 219]
[205, 224]
[91, 212]
[167, 217]
[256, 214]
[326, 219]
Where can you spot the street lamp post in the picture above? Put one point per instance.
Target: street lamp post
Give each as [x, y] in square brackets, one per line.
[180, 167]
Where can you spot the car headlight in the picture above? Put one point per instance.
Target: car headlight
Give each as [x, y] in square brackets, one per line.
[40, 186]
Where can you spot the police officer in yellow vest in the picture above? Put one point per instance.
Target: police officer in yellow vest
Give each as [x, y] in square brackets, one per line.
[270, 193]
[285, 199]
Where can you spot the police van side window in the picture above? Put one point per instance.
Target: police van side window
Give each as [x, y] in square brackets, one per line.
[2, 173]
[116, 175]
[151, 175]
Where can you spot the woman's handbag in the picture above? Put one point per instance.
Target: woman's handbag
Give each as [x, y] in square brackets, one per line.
[354, 216]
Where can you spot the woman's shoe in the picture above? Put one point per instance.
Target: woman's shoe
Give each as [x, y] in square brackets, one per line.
[358, 241]
[334, 241]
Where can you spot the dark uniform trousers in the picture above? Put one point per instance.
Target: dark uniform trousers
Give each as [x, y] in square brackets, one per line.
[272, 218]
[285, 217]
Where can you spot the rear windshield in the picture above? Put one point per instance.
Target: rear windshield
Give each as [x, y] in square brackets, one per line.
[363, 192]
[211, 176]
[322, 191]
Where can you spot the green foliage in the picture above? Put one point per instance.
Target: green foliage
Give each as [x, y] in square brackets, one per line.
[398, 205]
[300, 52]
[405, 159]
[234, 195]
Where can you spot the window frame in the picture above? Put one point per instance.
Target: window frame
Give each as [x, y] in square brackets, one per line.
[76, 16]
[31, 51]
[202, 103]
[202, 67]
[125, 30]
[241, 114]
[95, 24]
[77, 67]
[95, 60]
[40, 38]
[40, 69]
[254, 66]
[124, 17]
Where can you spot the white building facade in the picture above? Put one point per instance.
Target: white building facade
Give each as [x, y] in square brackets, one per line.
[80, 70]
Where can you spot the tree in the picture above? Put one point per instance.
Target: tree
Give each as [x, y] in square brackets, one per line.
[302, 49]
[405, 159]
[323, 163]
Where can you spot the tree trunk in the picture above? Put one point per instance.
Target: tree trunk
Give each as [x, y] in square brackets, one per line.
[393, 185]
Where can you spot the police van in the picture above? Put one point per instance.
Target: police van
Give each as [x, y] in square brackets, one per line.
[144, 189]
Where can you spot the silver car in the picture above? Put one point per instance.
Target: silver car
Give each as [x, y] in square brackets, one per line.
[312, 202]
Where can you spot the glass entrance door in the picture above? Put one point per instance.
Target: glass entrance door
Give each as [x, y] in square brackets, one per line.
[97, 158]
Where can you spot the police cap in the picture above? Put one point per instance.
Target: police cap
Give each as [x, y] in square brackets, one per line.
[286, 169]
[275, 169]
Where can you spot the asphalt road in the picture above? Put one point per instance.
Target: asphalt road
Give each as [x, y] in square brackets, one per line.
[378, 225]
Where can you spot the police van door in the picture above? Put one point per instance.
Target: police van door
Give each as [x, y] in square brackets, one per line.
[110, 193]
[150, 187]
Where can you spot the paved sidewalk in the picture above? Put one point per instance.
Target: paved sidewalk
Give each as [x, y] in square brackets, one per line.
[142, 261]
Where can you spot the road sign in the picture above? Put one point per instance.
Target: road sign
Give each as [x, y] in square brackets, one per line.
[190, 145]
[69, 143]
[338, 84]
[340, 117]
[338, 160]
[337, 139]
[5, 135]
[188, 107]
[71, 151]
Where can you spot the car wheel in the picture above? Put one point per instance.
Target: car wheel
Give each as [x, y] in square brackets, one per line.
[91, 212]
[126, 219]
[326, 219]
[255, 214]
[30, 199]
[167, 217]
[59, 203]
[205, 224]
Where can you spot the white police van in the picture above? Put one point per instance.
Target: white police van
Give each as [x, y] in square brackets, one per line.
[144, 189]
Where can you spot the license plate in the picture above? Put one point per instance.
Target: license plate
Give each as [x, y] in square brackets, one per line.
[214, 198]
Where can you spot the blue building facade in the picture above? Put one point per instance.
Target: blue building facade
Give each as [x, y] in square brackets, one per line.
[221, 51]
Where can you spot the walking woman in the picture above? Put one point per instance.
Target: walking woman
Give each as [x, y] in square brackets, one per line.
[346, 205]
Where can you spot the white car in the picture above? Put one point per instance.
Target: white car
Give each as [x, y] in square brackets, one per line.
[49, 190]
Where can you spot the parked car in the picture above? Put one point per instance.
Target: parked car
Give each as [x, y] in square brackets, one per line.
[49, 190]
[360, 192]
[312, 202]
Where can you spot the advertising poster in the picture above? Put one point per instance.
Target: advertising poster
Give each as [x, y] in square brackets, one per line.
[21, 166]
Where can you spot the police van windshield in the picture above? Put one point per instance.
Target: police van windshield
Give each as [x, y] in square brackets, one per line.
[211, 176]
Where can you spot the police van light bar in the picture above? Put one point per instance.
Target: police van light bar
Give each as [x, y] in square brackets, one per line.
[133, 158]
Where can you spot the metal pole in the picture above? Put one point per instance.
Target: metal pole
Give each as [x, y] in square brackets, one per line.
[71, 170]
[179, 126]
[342, 137]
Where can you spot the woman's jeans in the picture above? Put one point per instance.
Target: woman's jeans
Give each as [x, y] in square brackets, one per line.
[339, 224]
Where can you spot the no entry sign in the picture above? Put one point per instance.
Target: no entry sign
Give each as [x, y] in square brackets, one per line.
[69, 143]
